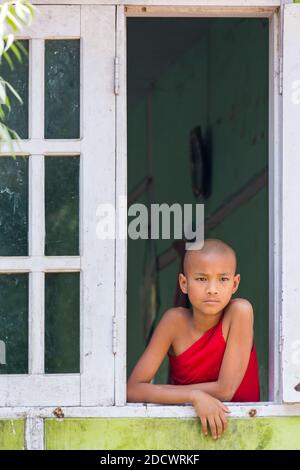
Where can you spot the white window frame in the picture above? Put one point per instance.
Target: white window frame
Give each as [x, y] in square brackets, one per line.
[272, 10]
[290, 210]
[94, 385]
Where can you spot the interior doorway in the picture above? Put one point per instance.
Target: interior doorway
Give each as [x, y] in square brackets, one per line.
[205, 79]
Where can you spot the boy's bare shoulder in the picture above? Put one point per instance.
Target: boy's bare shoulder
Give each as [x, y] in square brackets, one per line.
[239, 308]
[171, 313]
[238, 312]
[242, 304]
[176, 316]
[177, 313]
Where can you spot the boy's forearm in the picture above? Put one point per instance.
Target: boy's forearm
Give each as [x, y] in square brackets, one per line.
[215, 389]
[160, 393]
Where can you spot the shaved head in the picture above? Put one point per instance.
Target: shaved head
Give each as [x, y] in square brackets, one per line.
[211, 247]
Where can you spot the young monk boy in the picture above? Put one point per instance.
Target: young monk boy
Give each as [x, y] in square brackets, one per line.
[210, 346]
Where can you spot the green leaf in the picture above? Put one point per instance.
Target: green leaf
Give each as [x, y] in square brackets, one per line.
[14, 92]
[14, 22]
[11, 24]
[16, 52]
[9, 137]
[9, 39]
[32, 10]
[2, 113]
[7, 103]
[8, 59]
[2, 92]
[4, 133]
[23, 13]
[14, 14]
[2, 45]
[21, 47]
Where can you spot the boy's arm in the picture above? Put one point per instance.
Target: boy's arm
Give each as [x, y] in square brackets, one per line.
[237, 353]
[139, 388]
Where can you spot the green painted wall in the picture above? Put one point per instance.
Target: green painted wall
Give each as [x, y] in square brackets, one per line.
[170, 433]
[12, 434]
[220, 83]
[154, 434]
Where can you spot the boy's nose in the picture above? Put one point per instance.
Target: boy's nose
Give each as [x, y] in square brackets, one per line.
[212, 290]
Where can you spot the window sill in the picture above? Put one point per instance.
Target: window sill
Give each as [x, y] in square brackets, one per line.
[150, 410]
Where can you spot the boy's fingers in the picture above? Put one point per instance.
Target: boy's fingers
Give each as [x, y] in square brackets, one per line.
[204, 425]
[212, 426]
[225, 408]
[219, 426]
[224, 421]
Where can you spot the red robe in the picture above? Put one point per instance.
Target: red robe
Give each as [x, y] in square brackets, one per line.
[201, 362]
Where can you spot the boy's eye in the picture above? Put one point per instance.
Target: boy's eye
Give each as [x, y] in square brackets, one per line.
[201, 278]
[225, 279]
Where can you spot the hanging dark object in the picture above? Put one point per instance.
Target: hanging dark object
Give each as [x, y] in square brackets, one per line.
[200, 163]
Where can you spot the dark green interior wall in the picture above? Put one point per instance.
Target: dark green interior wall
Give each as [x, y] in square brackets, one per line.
[220, 83]
[239, 122]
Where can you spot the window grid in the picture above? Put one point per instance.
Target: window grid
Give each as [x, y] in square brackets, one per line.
[94, 386]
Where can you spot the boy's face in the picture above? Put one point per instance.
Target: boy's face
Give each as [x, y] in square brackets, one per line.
[209, 277]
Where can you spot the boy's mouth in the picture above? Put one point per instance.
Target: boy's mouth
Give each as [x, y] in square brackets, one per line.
[211, 301]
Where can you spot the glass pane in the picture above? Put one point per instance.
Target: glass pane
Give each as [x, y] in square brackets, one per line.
[62, 205]
[62, 81]
[62, 322]
[17, 117]
[14, 323]
[13, 206]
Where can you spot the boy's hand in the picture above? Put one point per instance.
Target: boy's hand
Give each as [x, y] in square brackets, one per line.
[212, 411]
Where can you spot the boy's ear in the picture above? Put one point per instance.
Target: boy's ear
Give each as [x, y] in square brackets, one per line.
[182, 282]
[236, 282]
